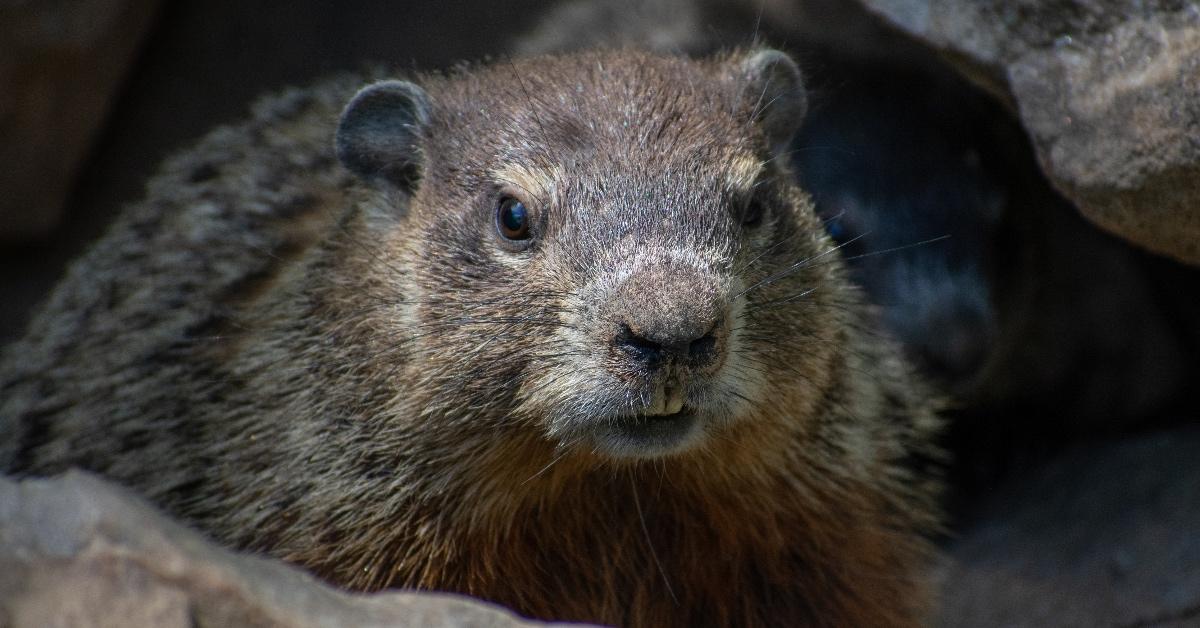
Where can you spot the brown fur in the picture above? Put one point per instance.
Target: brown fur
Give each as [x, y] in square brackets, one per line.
[360, 382]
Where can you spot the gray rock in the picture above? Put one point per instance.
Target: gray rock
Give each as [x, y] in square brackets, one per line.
[79, 551]
[1109, 91]
[1104, 536]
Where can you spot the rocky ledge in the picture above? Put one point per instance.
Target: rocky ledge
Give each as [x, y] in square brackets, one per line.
[79, 551]
[1107, 89]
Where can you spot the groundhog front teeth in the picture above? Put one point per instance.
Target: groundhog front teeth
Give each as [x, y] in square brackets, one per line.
[667, 400]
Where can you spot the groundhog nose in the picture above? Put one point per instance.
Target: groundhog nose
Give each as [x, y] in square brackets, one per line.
[666, 315]
[657, 345]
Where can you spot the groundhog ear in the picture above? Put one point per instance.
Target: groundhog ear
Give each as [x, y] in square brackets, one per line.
[380, 131]
[775, 90]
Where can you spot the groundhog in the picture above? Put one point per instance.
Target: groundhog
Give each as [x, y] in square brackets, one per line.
[561, 333]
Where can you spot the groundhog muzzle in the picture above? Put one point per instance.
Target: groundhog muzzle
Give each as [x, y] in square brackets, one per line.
[561, 333]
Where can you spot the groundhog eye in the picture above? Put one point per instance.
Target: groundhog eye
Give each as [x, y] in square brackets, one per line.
[512, 219]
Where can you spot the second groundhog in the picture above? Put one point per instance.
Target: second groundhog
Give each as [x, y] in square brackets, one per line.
[561, 333]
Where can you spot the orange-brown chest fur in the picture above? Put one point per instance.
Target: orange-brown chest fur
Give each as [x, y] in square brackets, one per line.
[664, 543]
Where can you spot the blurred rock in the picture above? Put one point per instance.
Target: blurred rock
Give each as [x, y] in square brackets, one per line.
[1107, 90]
[61, 62]
[1103, 536]
[78, 551]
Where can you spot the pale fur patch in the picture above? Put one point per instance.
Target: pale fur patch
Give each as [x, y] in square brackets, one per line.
[743, 171]
[536, 184]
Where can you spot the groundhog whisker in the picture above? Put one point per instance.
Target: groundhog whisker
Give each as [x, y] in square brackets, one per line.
[239, 325]
[898, 248]
[785, 300]
[562, 354]
[770, 279]
[894, 249]
[566, 449]
[770, 365]
[514, 323]
[650, 544]
[523, 299]
[452, 320]
[862, 357]
[344, 232]
[763, 253]
[773, 345]
[528, 97]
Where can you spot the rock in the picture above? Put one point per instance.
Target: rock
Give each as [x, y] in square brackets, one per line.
[1103, 536]
[61, 62]
[78, 551]
[1109, 91]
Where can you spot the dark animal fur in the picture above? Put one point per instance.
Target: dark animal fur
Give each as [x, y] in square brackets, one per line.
[363, 383]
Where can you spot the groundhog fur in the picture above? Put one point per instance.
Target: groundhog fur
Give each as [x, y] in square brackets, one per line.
[560, 333]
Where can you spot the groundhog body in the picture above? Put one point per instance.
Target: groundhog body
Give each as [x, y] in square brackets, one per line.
[559, 333]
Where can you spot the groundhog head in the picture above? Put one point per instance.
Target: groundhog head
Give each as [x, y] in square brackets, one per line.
[605, 250]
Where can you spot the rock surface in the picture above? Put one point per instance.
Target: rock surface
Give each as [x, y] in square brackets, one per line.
[1109, 91]
[78, 551]
[1103, 536]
